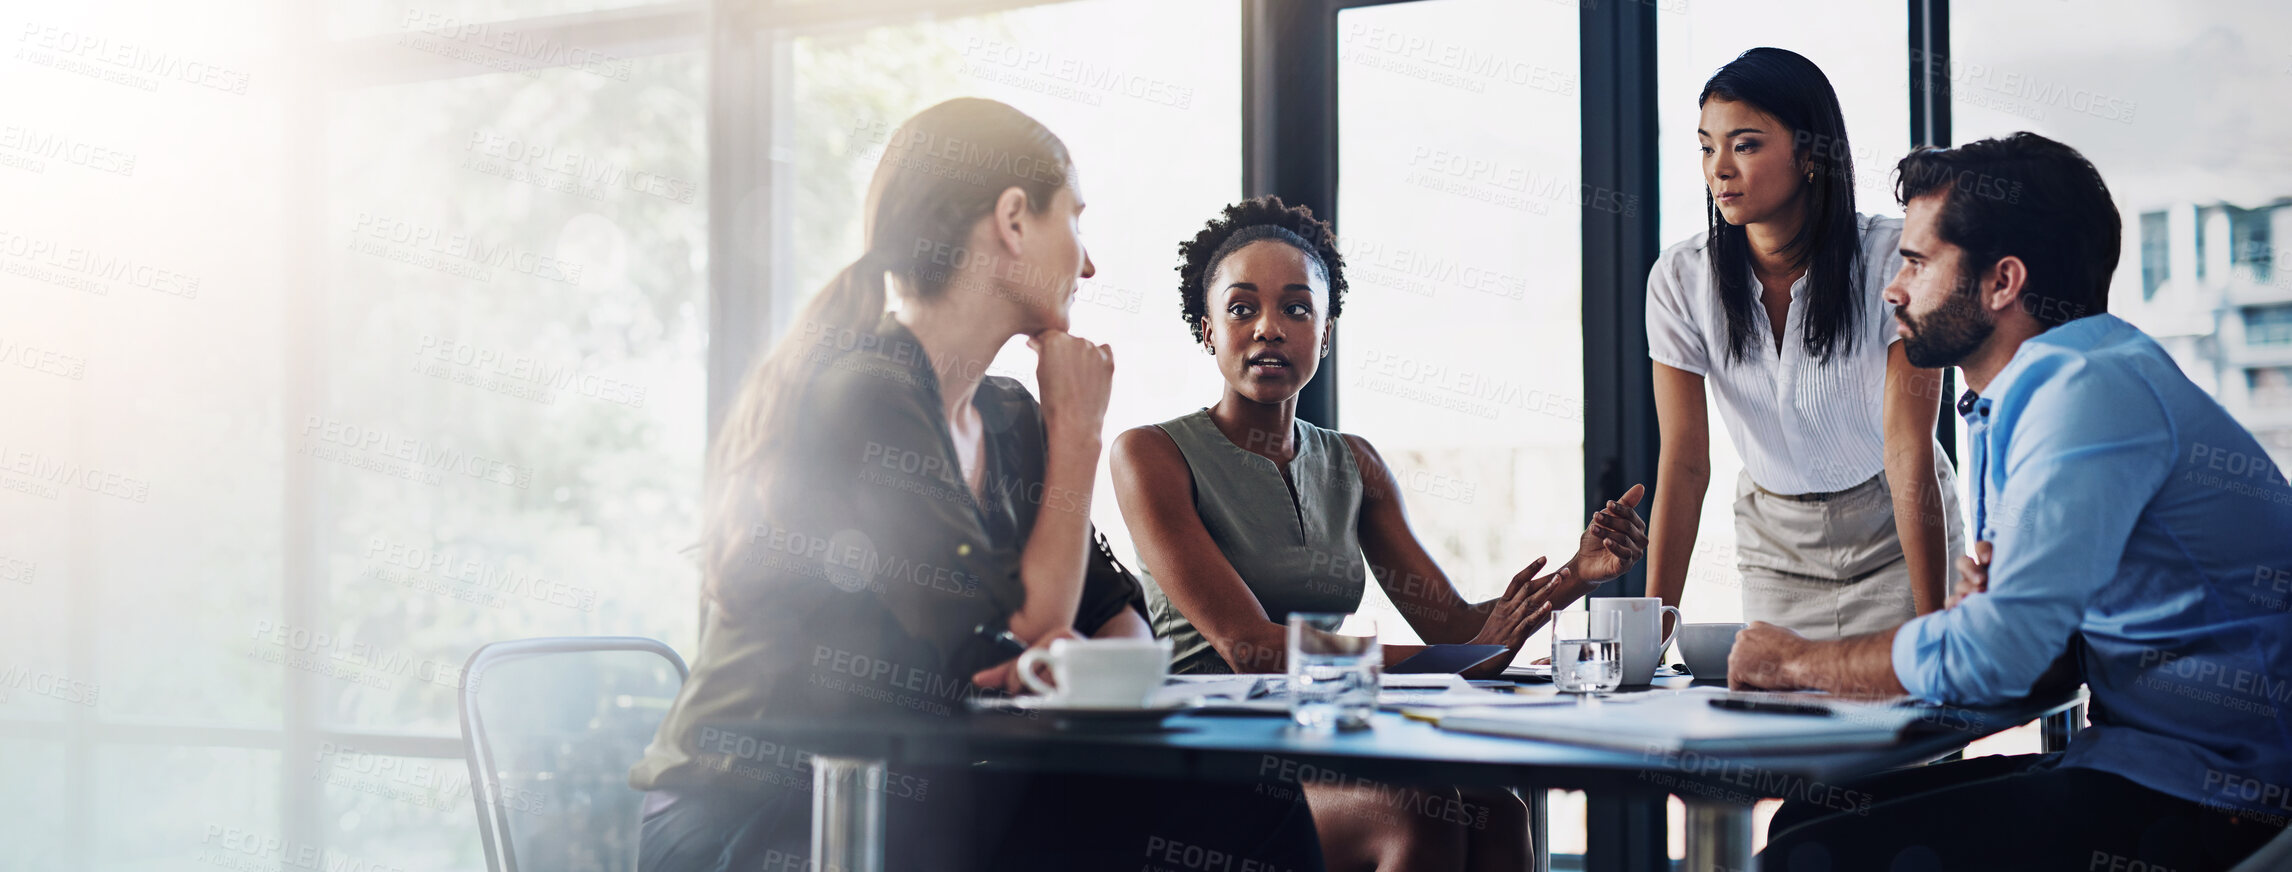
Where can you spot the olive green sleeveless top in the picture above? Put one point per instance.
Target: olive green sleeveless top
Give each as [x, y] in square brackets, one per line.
[1297, 553]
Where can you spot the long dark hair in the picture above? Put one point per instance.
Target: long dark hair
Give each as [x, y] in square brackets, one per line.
[1791, 88]
[940, 172]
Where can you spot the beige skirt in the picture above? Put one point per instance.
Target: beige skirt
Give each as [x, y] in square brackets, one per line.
[1832, 567]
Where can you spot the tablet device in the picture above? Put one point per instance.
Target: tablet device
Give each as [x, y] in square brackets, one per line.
[1450, 659]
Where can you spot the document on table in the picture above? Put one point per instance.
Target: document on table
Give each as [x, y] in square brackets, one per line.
[1265, 694]
[1686, 721]
[1438, 690]
[1421, 681]
[1241, 694]
[1211, 688]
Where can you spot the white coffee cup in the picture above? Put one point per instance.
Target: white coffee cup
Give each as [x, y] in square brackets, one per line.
[1705, 647]
[1640, 619]
[1099, 673]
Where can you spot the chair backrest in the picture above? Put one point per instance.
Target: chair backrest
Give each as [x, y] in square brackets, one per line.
[551, 727]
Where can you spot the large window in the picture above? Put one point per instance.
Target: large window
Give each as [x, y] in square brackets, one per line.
[2156, 251]
[2268, 325]
[506, 440]
[2178, 111]
[1147, 98]
[140, 518]
[1461, 346]
[2271, 388]
[344, 337]
[1460, 356]
[2252, 244]
[347, 361]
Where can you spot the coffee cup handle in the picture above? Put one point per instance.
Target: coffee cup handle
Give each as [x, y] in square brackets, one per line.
[1028, 660]
[1677, 620]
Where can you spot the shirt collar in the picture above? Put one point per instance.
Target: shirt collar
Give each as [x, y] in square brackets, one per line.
[1966, 402]
[2079, 333]
[2010, 371]
[1972, 405]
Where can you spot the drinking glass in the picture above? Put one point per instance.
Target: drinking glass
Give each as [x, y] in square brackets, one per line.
[1333, 670]
[1587, 652]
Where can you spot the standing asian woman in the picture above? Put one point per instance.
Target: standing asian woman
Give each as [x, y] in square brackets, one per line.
[1846, 515]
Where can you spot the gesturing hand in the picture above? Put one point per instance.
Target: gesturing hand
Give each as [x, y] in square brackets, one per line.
[1522, 610]
[1973, 576]
[1615, 541]
[1076, 376]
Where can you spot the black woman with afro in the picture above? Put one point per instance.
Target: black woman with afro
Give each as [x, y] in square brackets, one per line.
[1243, 514]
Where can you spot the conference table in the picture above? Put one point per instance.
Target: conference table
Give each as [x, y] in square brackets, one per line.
[1625, 789]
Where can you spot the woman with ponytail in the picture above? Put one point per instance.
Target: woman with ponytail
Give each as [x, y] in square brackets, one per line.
[879, 508]
[1845, 521]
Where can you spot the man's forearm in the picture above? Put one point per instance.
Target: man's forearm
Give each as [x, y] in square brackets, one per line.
[1856, 666]
[1777, 659]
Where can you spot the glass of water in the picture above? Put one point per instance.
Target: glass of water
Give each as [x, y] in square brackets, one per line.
[1587, 652]
[1333, 670]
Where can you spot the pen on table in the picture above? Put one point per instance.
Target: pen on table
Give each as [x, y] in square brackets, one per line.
[1005, 647]
[1773, 708]
[1005, 644]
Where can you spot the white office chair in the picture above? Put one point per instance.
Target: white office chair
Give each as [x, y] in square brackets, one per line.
[550, 727]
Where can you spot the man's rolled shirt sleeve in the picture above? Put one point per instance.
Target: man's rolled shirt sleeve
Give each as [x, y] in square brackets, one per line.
[2082, 458]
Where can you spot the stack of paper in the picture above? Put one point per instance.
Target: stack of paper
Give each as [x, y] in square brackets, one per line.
[1211, 688]
[1685, 721]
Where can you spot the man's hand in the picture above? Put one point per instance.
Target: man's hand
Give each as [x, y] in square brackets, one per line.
[1973, 575]
[1005, 677]
[1768, 657]
[1615, 541]
[1765, 658]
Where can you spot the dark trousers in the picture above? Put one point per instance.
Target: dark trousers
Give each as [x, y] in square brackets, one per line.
[2009, 813]
[966, 820]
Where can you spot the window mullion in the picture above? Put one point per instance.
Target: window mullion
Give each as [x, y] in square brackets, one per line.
[80, 661]
[301, 572]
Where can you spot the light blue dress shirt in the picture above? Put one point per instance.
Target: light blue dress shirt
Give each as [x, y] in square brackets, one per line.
[2125, 506]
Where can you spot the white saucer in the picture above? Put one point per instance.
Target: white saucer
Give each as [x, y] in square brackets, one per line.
[1049, 706]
